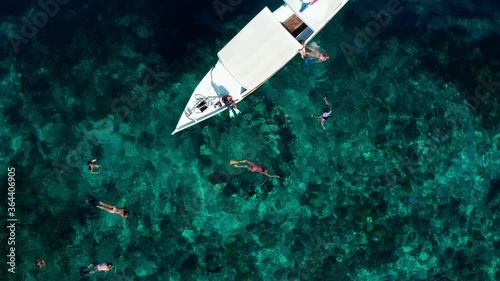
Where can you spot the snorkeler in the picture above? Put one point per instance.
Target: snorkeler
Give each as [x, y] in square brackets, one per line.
[40, 263]
[123, 212]
[312, 52]
[228, 102]
[327, 113]
[92, 166]
[95, 268]
[252, 167]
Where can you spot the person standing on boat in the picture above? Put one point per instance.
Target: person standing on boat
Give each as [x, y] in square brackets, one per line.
[256, 168]
[228, 102]
[327, 113]
[312, 53]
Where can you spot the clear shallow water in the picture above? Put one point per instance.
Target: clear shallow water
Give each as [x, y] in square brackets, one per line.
[403, 186]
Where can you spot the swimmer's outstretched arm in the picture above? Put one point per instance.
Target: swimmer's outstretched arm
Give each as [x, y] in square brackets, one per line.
[242, 166]
[302, 53]
[248, 162]
[311, 48]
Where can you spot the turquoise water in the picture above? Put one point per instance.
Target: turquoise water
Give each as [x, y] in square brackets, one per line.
[403, 185]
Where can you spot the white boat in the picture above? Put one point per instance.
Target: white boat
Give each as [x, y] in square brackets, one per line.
[266, 44]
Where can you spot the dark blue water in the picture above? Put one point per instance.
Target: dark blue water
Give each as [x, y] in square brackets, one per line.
[403, 185]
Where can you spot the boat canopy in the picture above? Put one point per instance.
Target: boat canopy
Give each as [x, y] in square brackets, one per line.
[316, 13]
[259, 50]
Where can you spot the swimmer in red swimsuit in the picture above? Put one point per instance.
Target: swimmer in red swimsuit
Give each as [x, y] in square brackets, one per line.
[252, 167]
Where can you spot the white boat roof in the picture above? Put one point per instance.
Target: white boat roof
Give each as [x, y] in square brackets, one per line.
[259, 50]
[316, 13]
